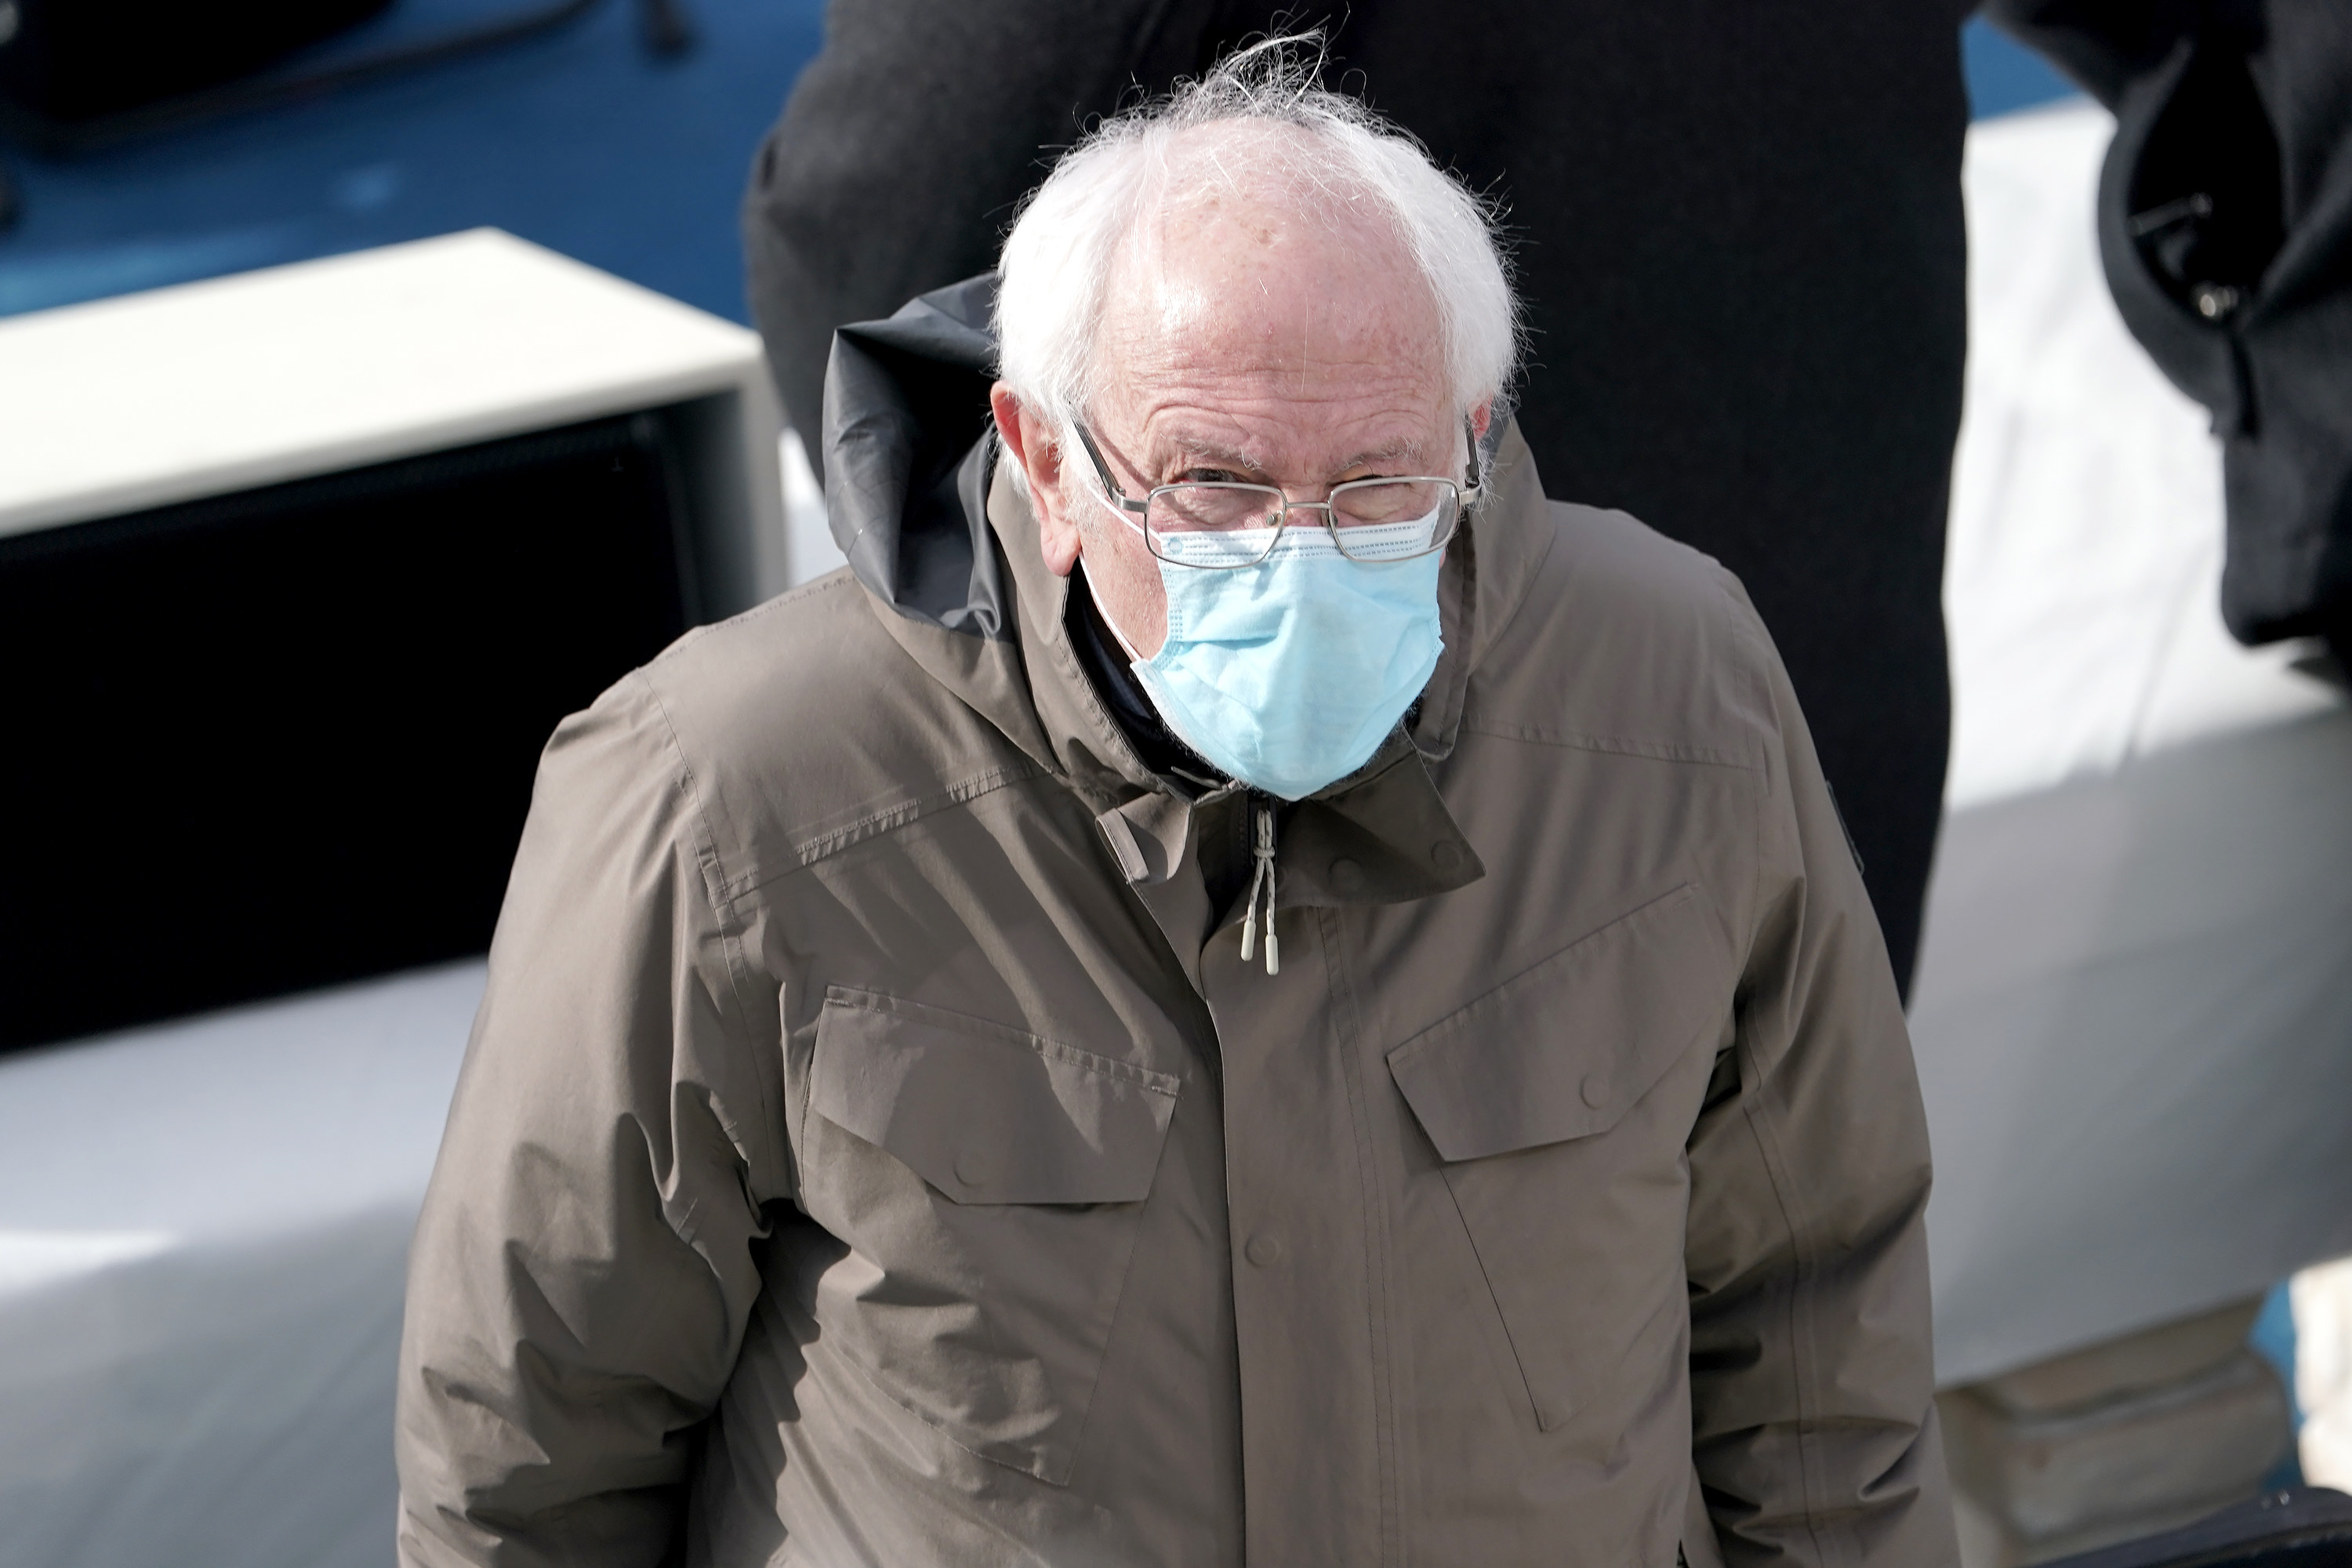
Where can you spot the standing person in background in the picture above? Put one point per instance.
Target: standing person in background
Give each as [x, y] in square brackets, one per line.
[1738, 233]
[2225, 223]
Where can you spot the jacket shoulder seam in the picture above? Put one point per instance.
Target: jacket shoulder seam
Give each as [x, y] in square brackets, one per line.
[1747, 631]
[1623, 745]
[815, 587]
[1530, 578]
[730, 930]
[877, 822]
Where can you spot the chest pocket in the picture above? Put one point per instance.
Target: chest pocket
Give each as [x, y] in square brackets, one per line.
[989, 1185]
[1579, 1234]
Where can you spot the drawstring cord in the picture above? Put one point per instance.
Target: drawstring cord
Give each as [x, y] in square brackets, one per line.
[1262, 881]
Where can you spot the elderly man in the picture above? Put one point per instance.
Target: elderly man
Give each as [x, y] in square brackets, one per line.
[1247, 989]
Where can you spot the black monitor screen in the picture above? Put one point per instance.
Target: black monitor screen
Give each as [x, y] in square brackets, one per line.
[285, 738]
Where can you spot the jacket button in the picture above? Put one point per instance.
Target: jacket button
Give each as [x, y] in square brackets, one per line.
[971, 1167]
[1262, 1250]
[1446, 855]
[1347, 877]
[1595, 1093]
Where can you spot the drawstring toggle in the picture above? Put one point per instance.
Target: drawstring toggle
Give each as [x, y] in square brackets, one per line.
[1261, 884]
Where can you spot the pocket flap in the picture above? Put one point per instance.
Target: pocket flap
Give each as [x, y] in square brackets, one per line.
[985, 1113]
[1565, 1048]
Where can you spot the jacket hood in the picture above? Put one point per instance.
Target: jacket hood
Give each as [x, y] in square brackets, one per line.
[948, 552]
[906, 457]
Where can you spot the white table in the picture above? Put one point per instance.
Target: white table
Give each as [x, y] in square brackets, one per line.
[202, 1231]
[234, 382]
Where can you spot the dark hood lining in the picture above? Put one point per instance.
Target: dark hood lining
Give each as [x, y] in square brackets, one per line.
[906, 458]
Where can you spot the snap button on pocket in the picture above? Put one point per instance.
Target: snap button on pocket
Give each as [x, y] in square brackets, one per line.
[1446, 855]
[1262, 1250]
[1593, 1091]
[973, 1167]
[1347, 877]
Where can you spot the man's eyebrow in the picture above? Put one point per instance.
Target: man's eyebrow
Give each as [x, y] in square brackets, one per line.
[1224, 456]
[1392, 452]
[1207, 451]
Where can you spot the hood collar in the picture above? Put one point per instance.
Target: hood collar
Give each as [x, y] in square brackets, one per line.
[948, 549]
[906, 424]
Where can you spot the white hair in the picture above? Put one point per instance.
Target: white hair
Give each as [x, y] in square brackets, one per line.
[1057, 258]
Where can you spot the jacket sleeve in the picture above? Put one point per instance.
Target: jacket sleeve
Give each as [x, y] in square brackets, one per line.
[908, 142]
[582, 1274]
[1813, 1421]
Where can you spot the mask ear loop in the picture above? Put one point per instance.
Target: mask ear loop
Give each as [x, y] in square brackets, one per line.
[1109, 620]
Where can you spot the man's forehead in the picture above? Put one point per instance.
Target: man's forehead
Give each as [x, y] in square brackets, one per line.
[1246, 331]
[1266, 258]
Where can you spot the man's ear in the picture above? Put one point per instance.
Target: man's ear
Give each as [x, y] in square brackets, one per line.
[1482, 416]
[1030, 442]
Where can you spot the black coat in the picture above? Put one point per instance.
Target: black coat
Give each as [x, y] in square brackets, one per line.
[1737, 227]
[2225, 221]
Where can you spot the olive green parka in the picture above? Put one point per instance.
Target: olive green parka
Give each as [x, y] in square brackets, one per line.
[874, 1148]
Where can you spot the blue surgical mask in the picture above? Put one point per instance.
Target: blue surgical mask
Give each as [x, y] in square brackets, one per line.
[1290, 673]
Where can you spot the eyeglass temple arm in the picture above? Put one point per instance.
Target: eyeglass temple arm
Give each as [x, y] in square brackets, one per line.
[1102, 471]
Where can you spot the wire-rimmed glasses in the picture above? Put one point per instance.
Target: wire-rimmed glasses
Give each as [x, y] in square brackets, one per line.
[1224, 524]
